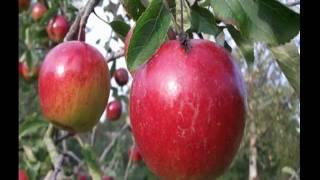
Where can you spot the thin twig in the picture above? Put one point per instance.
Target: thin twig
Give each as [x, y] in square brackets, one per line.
[181, 14]
[58, 168]
[115, 55]
[127, 169]
[81, 20]
[93, 135]
[94, 12]
[108, 148]
[63, 137]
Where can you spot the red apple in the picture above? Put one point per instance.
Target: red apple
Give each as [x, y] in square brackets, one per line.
[187, 110]
[23, 175]
[114, 110]
[121, 76]
[107, 178]
[57, 28]
[74, 85]
[24, 4]
[82, 176]
[38, 10]
[134, 154]
[27, 74]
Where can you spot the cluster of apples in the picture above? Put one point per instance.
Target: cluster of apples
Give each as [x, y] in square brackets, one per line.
[187, 107]
[57, 28]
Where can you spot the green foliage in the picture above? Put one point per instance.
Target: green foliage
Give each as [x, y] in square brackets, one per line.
[149, 33]
[121, 28]
[259, 20]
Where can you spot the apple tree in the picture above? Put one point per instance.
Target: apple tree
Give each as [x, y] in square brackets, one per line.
[177, 89]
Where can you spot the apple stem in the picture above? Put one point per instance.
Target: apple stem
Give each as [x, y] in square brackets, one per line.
[183, 36]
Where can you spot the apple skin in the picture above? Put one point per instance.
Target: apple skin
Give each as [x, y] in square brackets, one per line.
[187, 110]
[134, 154]
[121, 76]
[74, 85]
[27, 74]
[57, 28]
[113, 110]
[38, 10]
[24, 5]
[22, 175]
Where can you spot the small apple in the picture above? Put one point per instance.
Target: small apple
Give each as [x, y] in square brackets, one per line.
[57, 28]
[113, 110]
[107, 178]
[24, 5]
[134, 154]
[187, 110]
[27, 74]
[38, 10]
[82, 176]
[22, 175]
[121, 76]
[74, 85]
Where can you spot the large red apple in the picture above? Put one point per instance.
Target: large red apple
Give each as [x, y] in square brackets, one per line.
[74, 84]
[134, 154]
[57, 28]
[114, 110]
[24, 4]
[121, 76]
[38, 10]
[187, 110]
[22, 175]
[27, 74]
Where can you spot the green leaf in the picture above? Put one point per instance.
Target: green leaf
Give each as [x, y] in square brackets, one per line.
[113, 68]
[134, 8]
[121, 28]
[48, 15]
[91, 161]
[202, 20]
[30, 126]
[259, 20]
[288, 59]
[245, 45]
[149, 34]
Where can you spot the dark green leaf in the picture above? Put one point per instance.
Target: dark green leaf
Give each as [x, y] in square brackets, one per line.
[121, 28]
[149, 33]
[113, 68]
[245, 45]
[288, 59]
[91, 161]
[48, 15]
[172, 6]
[202, 20]
[134, 8]
[98, 41]
[30, 126]
[29, 59]
[259, 20]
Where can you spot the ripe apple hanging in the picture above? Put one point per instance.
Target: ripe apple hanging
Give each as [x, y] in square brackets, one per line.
[74, 85]
[187, 110]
